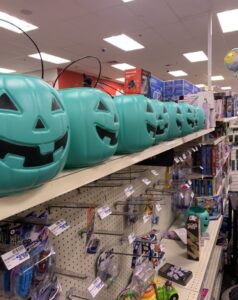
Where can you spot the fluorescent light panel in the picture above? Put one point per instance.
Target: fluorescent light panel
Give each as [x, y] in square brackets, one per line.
[20, 23]
[228, 20]
[50, 58]
[124, 42]
[217, 78]
[200, 85]
[196, 56]
[178, 73]
[4, 70]
[123, 66]
[121, 79]
[127, 0]
[226, 88]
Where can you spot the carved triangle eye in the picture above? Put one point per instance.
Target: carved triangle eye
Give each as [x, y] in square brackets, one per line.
[101, 106]
[149, 108]
[55, 105]
[7, 103]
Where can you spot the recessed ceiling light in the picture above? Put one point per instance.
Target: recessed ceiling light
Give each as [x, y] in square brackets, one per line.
[123, 66]
[20, 23]
[226, 88]
[124, 42]
[200, 85]
[196, 56]
[127, 0]
[228, 20]
[50, 58]
[216, 78]
[178, 73]
[3, 70]
[121, 79]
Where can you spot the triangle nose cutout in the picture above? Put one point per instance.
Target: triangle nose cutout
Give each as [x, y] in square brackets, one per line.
[39, 124]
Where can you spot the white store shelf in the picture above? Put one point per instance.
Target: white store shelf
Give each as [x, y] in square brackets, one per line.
[70, 180]
[217, 287]
[227, 120]
[215, 141]
[176, 253]
[212, 271]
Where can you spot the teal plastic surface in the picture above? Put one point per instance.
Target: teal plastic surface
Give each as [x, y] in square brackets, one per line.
[34, 133]
[175, 120]
[162, 121]
[137, 123]
[94, 126]
[188, 124]
[202, 213]
[199, 118]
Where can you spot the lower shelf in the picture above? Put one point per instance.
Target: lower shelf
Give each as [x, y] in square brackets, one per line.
[176, 253]
[212, 272]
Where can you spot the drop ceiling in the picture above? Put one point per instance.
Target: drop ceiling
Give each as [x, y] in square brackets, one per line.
[167, 28]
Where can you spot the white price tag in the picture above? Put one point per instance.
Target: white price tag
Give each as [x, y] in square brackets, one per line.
[201, 167]
[181, 195]
[146, 218]
[184, 156]
[15, 257]
[131, 237]
[176, 160]
[196, 148]
[192, 194]
[146, 181]
[59, 227]
[189, 152]
[181, 159]
[95, 287]
[129, 191]
[154, 172]
[158, 207]
[190, 182]
[104, 212]
[193, 149]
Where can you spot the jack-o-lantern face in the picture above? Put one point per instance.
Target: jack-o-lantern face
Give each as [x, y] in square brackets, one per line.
[199, 118]
[175, 119]
[94, 126]
[162, 121]
[137, 123]
[33, 133]
[188, 112]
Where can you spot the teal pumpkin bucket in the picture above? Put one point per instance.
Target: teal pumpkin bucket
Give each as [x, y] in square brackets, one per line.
[199, 118]
[138, 123]
[94, 126]
[175, 120]
[162, 121]
[188, 124]
[202, 213]
[34, 133]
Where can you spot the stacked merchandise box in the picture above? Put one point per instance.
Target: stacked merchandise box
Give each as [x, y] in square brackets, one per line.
[156, 88]
[206, 101]
[137, 81]
[212, 204]
[176, 89]
[235, 105]
[168, 90]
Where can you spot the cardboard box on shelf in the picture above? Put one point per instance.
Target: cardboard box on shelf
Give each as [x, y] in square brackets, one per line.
[137, 81]
[156, 88]
[193, 237]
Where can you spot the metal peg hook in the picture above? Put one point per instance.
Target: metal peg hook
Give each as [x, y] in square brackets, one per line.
[29, 220]
[137, 203]
[71, 205]
[102, 232]
[70, 274]
[72, 293]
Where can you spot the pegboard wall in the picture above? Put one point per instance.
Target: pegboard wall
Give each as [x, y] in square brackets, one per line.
[70, 248]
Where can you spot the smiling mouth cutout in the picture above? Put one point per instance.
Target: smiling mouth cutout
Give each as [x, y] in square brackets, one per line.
[151, 128]
[191, 123]
[32, 154]
[161, 131]
[179, 124]
[106, 133]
